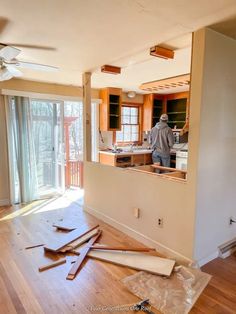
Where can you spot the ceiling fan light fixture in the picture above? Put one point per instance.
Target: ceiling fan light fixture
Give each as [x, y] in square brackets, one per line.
[131, 94]
[5, 75]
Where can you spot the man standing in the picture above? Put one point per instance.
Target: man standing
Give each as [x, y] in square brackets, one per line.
[161, 140]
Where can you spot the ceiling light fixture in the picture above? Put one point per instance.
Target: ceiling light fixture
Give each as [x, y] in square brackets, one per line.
[131, 94]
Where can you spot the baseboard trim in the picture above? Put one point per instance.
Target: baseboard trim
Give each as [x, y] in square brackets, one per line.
[4, 202]
[181, 259]
[228, 248]
[207, 259]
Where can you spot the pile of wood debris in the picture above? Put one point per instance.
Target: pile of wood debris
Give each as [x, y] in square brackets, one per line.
[82, 242]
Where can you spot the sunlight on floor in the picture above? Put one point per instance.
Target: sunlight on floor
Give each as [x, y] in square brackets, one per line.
[70, 196]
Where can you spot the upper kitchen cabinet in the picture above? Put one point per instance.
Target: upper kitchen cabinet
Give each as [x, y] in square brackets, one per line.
[177, 108]
[153, 107]
[175, 105]
[110, 109]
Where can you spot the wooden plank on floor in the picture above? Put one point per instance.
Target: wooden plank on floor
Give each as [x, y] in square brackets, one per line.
[76, 267]
[68, 238]
[73, 245]
[135, 260]
[51, 265]
[122, 248]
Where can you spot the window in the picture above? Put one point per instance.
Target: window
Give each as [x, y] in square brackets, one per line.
[130, 128]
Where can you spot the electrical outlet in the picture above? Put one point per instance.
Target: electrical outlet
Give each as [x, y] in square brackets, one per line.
[136, 212]
[160, 222]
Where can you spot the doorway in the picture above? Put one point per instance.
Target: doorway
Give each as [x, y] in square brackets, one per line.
[47, 130]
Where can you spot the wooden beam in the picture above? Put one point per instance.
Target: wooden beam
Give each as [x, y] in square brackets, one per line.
[76, 267]
[110, 69]
[51, 265]
[68, 238]
[87, 153]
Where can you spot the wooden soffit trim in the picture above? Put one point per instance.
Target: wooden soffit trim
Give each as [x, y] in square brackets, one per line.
[171, 82]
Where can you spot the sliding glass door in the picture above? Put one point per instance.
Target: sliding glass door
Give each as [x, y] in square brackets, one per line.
[47, 130]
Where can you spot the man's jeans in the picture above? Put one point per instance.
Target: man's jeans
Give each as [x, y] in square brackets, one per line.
[163, 160]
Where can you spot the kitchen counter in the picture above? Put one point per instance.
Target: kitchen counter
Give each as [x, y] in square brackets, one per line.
[127, 153]
[126, 159]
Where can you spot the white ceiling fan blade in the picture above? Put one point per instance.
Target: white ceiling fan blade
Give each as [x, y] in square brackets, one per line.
[8, 53]
[15, 72]
[5, 74]
[36, 66]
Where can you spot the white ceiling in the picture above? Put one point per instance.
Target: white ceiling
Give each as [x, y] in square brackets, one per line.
[82, 35]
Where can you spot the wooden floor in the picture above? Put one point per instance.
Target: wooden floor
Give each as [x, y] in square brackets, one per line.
[24, 290]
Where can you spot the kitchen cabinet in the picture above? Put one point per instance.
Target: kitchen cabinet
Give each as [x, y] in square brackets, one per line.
[175, 105]
[177, 109]
[153, 107]
[128, 159]
[110, 109]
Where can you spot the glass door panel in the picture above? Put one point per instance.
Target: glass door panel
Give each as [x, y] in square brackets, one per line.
[47, 129]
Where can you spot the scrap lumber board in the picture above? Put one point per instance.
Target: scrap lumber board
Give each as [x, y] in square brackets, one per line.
[152, 264]
[51, 265]
[67, 227]
[83, 253]
[121, 248]
[73, 245]
[68, 238]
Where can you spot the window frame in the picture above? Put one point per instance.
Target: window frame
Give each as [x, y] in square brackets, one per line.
[133, 105]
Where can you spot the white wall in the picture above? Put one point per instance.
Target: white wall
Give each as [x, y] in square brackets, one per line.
[216, 183]
[111, 194]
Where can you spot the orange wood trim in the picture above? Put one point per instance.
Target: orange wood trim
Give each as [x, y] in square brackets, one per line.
[111, 69]
[162, 52]
[154, 86]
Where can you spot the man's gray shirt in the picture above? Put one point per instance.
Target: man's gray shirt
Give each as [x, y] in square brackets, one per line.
[161, 138]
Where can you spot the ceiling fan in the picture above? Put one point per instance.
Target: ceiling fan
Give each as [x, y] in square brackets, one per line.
[9, 64]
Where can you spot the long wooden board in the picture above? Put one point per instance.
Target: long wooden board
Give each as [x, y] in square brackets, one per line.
[83, 253]
[122, 248]
[73, 245]
[68, 238]
[153, 264]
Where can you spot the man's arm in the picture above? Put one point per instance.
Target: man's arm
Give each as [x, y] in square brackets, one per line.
[171, 138]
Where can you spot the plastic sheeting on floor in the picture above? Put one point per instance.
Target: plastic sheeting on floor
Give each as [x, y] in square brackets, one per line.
[174, 295]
